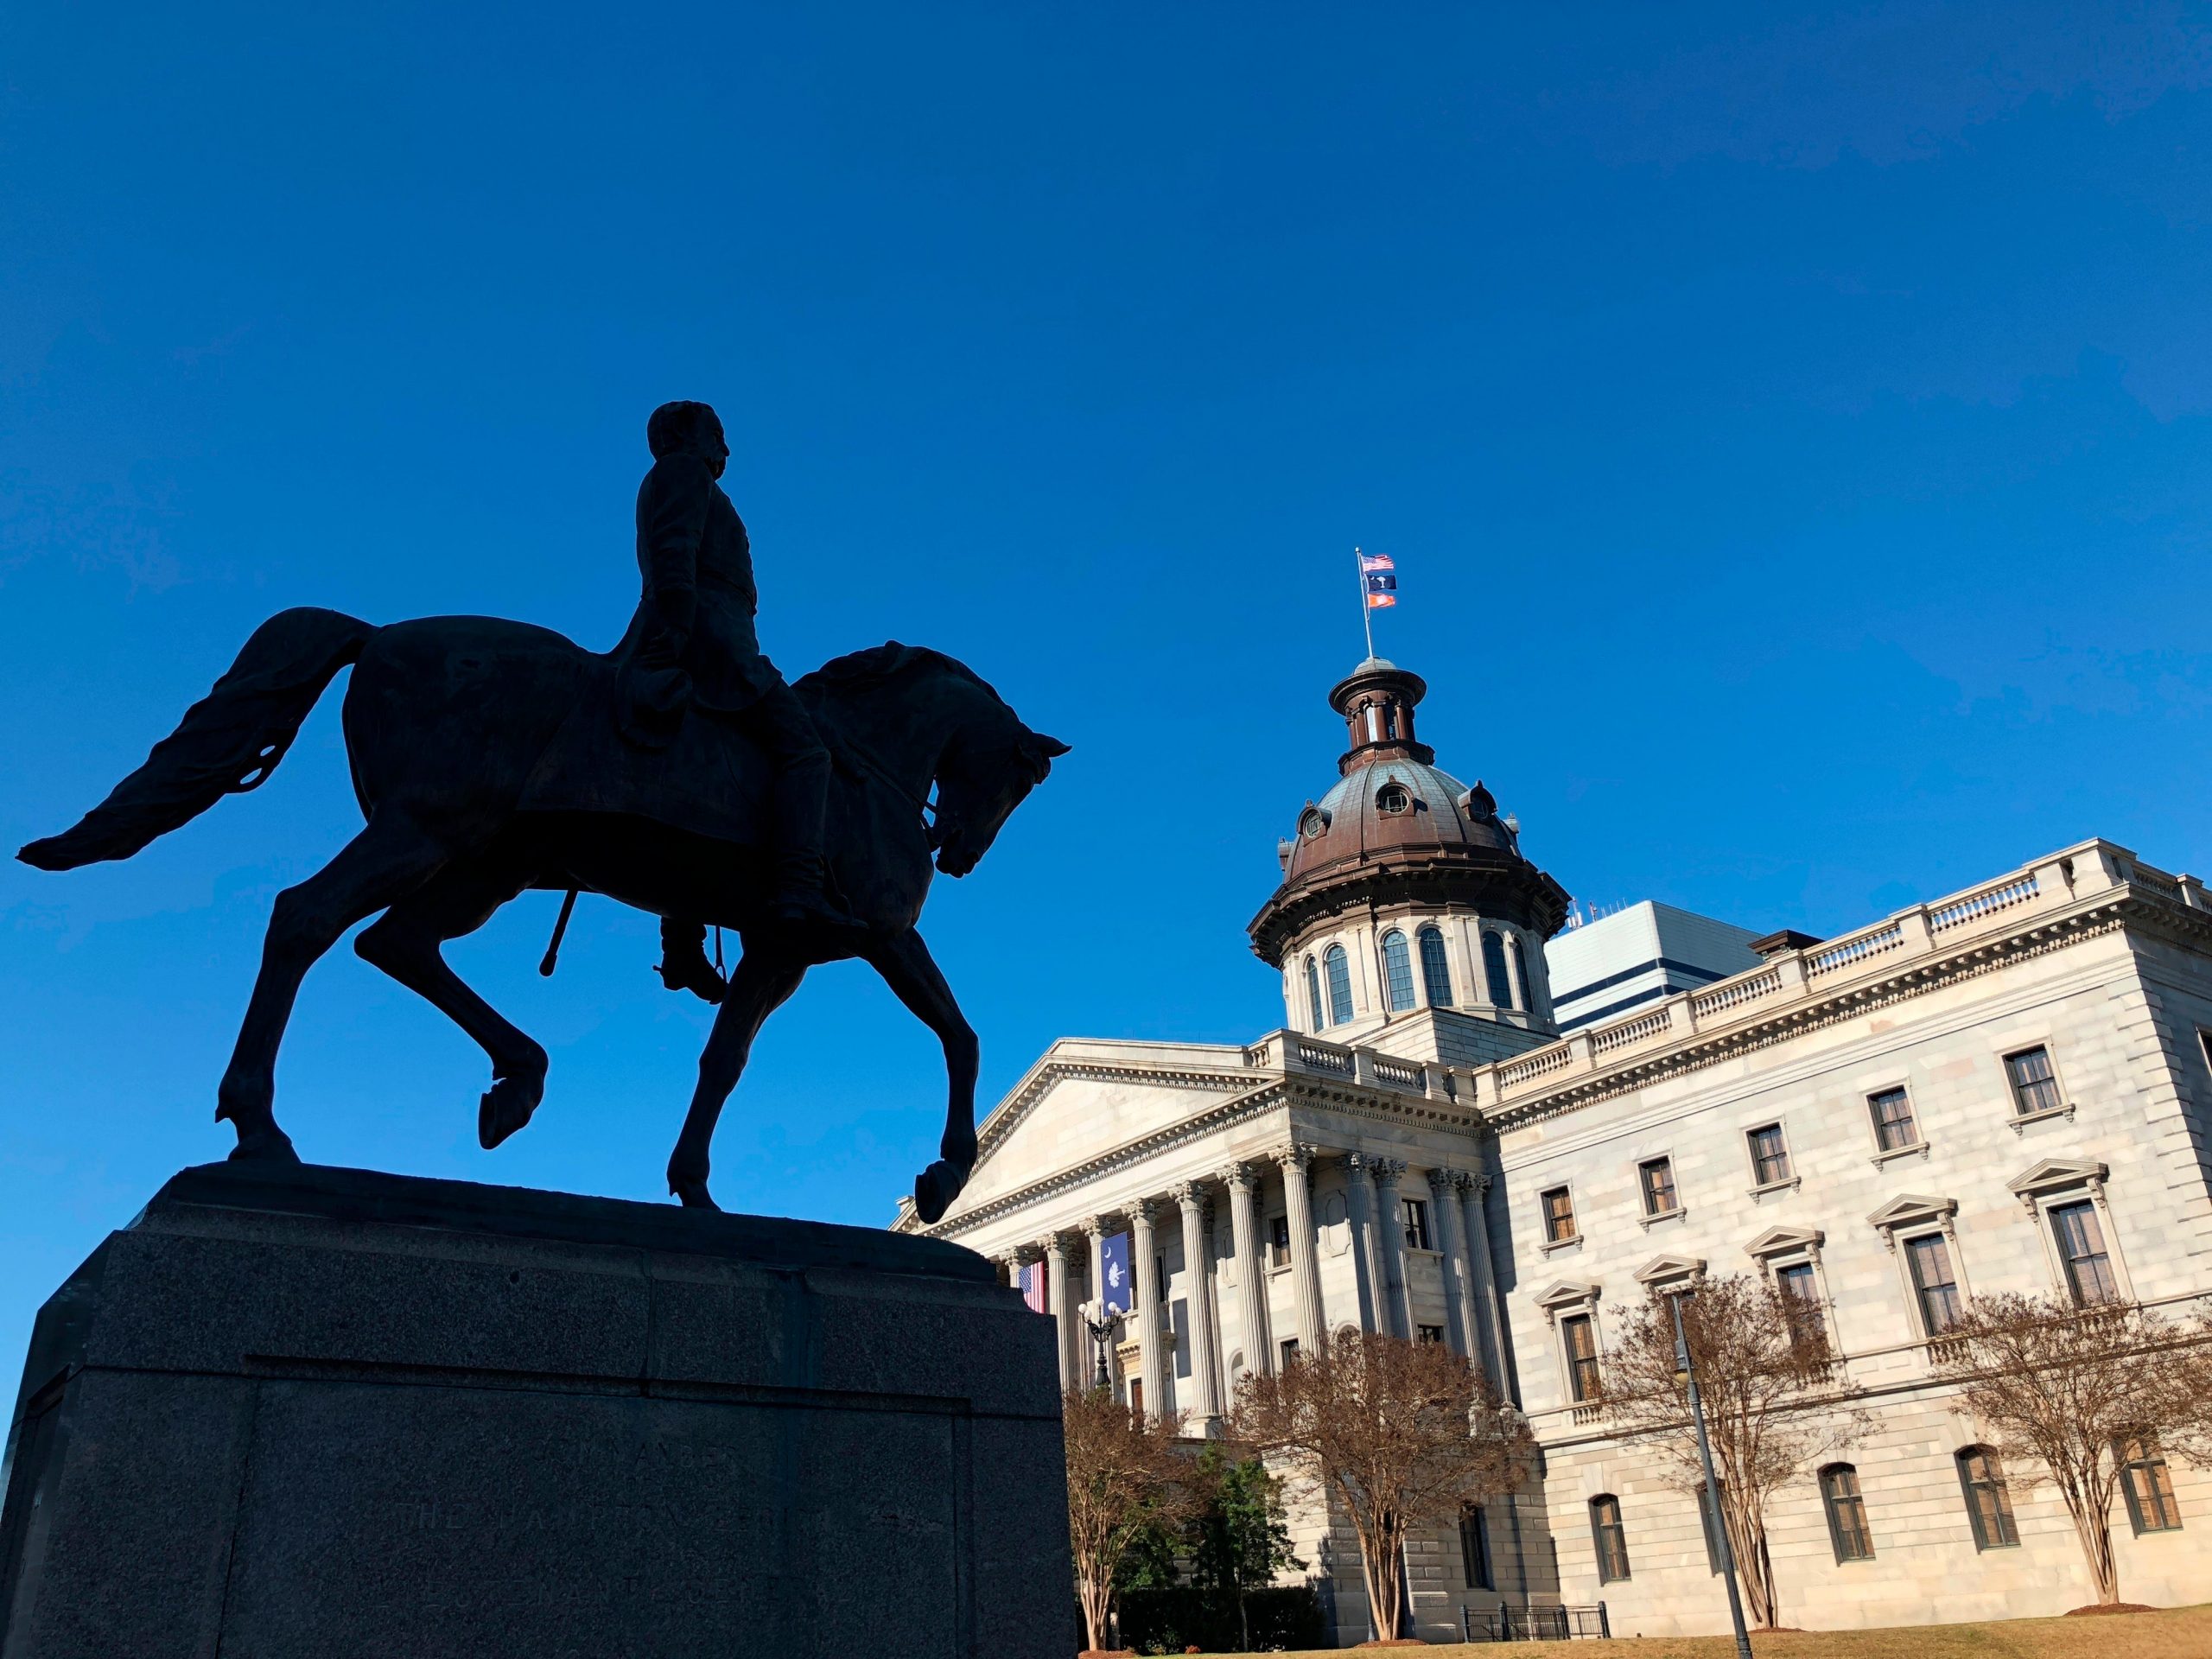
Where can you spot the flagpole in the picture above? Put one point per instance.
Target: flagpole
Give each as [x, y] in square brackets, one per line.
[1366, 613]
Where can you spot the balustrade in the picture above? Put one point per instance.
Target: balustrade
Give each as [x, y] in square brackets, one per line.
[1987, 902]
[1856, 947]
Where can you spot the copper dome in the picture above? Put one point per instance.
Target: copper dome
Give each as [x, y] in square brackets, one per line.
[1395, 830]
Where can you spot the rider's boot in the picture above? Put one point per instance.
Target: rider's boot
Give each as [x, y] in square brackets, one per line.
[798, 900]
[684, 964]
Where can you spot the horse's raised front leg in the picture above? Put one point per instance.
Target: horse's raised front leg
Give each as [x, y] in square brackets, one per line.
[404, 942]
[762, 981]
[382, 865]
[908, 968]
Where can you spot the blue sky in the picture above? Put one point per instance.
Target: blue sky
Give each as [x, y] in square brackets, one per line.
[1791, 425]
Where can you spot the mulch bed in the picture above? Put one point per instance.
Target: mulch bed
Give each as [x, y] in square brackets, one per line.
[2110, 1607]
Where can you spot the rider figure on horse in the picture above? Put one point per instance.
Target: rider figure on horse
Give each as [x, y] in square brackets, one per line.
[692, 642]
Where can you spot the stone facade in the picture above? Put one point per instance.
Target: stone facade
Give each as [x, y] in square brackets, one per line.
[1396, 1163]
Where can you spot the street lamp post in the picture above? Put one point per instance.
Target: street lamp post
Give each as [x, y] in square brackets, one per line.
[1101, 1329]
[1688, 1375]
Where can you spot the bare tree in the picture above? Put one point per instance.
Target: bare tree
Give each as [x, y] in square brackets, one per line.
[2071, 1388]
[1400, 1434]
[1762, 1373]
[1125, 1477]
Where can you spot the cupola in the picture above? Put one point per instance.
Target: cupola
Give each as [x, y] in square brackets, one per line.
[1402, 888]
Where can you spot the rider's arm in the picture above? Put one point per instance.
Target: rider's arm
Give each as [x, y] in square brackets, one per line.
[671, 522]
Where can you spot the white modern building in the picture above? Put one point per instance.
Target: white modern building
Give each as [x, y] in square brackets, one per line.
[2009, 1089]
[1642, 954]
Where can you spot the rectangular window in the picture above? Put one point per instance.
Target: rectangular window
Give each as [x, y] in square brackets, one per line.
[1429, 1332]
[1474, 1547]
[1801, 1298]
[1989, 1505]
[1179, 1321]
[1580, 1336]
[2081, 1248]
[1288, 1348]
[1930, 1257]
[2035, 1087]
[1894, 1127]
[1770, 1156]
[1160, 1279]
[1558, 1215]
[2149, 1487]
[1656, 1176]
[1847, 1514]
[1416, 1224]
[1279, 1241]
[1611, 1539]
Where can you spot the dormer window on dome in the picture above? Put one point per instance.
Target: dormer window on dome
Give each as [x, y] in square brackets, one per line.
[1392, 799]
[1314, 823]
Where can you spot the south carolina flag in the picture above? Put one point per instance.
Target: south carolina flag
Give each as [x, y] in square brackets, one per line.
[1114, 1256]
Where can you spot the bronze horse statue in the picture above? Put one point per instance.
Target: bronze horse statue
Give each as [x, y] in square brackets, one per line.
[485, 759]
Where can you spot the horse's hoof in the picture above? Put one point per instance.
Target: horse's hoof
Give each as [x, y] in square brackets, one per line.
[506, 1106]
[693, 1195]
[269, 1145]
[935, 1189]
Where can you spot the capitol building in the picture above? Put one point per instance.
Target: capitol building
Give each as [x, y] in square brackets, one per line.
[1480, 1126]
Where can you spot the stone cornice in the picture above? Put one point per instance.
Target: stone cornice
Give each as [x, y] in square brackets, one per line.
[2040, 936]
[1812, 1013]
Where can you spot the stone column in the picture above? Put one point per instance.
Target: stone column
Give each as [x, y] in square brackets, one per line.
[1305, 1247]
[1444, 1204]
[1251, 1269]
[1060, 1288]
[1151, 1318]
[1359, 1210]
[1390, 1240]
[1474, 1217]
[1205, 1417]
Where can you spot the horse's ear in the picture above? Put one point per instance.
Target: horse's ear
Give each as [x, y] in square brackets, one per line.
[1044, 747]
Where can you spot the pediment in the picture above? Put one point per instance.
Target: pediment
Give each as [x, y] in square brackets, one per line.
[1661, 1269]
[1911, 1207]
[1071, 1111]
[2052, 1174]
[1566, 1293]
[1777, 1240]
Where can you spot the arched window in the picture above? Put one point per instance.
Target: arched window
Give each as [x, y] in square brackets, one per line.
[1435, 971]
[1397, 972]
[1610, 1537]
[1501, 987]
[1847, 1513]
[1338, 966]
[1526, 1000]
[1313, 995]
[1989, 1505]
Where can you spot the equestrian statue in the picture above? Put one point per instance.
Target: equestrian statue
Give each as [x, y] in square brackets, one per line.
[679, 773]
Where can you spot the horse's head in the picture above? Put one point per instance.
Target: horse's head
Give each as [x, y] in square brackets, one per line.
[986, 771]
[933, 720]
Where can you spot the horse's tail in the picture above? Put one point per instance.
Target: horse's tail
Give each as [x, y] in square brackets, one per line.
[230, 740]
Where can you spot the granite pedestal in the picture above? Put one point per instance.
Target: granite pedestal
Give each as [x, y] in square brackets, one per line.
[292, 1413]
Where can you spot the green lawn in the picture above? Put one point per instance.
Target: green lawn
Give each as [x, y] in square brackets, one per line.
[2172, 1633]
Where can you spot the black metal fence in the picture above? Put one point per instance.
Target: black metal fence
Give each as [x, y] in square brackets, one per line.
[1537, 1624]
